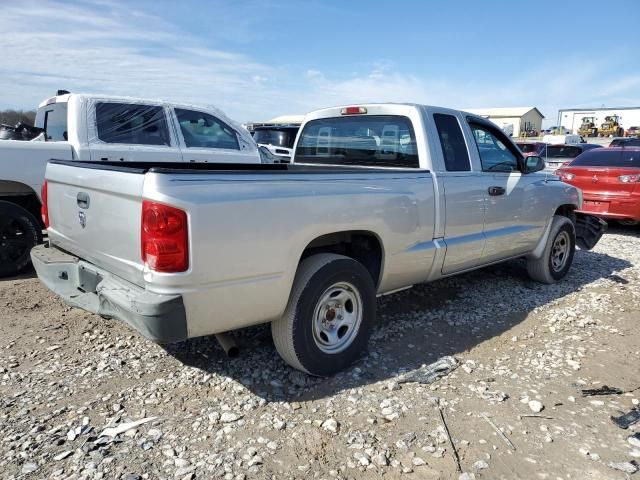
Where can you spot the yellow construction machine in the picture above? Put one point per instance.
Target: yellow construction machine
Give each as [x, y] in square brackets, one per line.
[588, 127]
[611, 127]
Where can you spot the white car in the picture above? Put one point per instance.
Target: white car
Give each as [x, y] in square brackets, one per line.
[103, 128]
[568, 139]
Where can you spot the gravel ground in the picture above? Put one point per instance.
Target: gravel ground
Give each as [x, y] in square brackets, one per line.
[513, 408]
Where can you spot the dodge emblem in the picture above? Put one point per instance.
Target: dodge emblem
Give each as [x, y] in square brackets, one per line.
[82, 217]
[594, 179]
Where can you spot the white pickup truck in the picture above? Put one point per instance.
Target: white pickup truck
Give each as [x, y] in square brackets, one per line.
[108, 129]
[379, 197]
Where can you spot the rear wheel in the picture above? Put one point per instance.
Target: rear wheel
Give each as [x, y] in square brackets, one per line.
[329, 317]
[20, 231]
[558, 253]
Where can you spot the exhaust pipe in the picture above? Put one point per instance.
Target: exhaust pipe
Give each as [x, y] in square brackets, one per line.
[228, 344]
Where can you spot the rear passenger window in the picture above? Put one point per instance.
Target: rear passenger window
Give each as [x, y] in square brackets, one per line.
[367, 140]
[454, 148]
[132, 124]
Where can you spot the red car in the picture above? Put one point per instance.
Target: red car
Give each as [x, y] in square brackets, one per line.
[610, 182]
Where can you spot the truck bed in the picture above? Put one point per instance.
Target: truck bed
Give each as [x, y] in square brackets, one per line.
[248, 226]
[233, 168]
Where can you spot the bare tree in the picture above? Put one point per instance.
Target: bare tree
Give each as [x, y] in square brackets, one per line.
[13, 117]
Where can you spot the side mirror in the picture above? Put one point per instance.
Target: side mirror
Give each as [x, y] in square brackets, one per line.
[533, 164]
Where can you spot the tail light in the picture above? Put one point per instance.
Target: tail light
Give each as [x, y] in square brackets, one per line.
[564, 175]
[629, 178]
[44, 209]
[164, 238]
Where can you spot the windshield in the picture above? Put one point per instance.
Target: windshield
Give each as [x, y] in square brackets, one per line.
[277, 138]
[604, 157]
[528, 147]
[625, 142]
[563, 151]
[368, 140]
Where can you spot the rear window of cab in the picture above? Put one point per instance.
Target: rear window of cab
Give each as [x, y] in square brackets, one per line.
[604, 157]
[562, 151]
[364, 140]
[528, 147]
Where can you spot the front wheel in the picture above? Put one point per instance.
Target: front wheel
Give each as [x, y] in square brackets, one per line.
[556, 260]
[20, 231]
[329, 317]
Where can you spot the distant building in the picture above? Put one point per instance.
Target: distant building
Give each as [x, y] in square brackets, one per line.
[571, 118]
[521, 119]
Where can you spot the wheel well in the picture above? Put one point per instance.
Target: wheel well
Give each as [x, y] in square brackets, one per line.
[29, 202]
[365, 247]
[567, 211]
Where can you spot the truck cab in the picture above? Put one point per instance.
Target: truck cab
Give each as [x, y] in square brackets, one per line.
[104, 128]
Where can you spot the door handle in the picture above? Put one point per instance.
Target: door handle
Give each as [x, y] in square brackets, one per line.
[83, 200]
[495, 191]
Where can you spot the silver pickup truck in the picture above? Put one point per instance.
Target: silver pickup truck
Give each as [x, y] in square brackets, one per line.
[378, 198]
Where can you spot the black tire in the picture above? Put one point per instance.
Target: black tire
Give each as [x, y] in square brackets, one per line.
[294, 334]
[548, 269]
[20, 231]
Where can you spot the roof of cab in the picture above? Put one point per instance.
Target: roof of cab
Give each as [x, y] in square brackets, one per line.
[319, 112]
[93, 97]
[121, 98]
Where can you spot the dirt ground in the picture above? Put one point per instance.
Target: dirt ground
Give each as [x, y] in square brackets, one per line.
[65, 375]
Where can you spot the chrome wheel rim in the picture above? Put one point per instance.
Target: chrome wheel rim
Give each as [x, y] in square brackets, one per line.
[560, 251]
[337, 318]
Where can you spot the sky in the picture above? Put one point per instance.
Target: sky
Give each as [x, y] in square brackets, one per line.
[259, 59]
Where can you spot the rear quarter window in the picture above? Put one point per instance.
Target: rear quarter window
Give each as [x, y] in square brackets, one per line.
[132, 124]
[366, 140]
[454, 148]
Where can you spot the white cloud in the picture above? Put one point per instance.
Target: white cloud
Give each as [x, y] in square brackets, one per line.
[112, 48]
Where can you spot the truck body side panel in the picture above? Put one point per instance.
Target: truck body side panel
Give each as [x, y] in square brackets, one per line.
[23, 164]
[248, 234]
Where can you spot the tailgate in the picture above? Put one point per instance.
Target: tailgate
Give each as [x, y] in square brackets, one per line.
[95, 213]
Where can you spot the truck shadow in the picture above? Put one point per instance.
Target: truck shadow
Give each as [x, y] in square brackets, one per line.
[632, 231]
[416, 327]
[27, 274]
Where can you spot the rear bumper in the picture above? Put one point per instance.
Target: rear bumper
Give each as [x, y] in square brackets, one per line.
[160, 318]
[613, 208]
